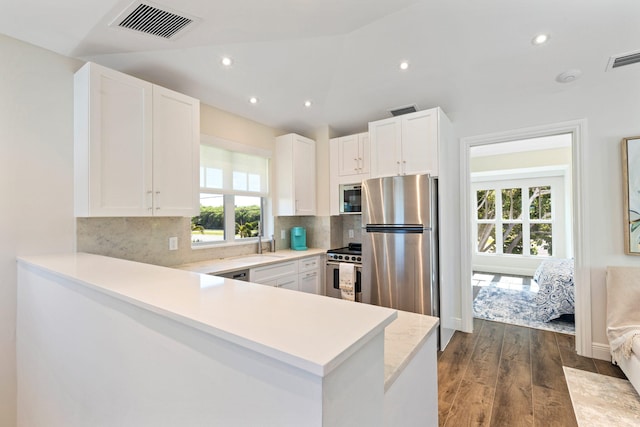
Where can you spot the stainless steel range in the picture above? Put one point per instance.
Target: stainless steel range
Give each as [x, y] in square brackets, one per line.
[351, 254]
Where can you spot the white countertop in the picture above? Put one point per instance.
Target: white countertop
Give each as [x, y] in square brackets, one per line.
[310, 332]
[224, 265]
[402, 340]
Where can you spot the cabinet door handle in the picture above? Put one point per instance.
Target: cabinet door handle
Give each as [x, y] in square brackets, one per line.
[399, 169]
[360, 163]
[150, 200]
[404, 167]
[157, 200]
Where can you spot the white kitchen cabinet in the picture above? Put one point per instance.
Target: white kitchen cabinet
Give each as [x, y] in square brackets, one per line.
[288, 283]
[406, 144]
[310, 275]
[310, 282]
[176, 153]
[295, 175]
[349, 163]
[353, 155]
[304, 274]
[136, 147]
[281, 275]
[309, 264]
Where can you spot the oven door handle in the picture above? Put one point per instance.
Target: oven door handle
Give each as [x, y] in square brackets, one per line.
[358, 266]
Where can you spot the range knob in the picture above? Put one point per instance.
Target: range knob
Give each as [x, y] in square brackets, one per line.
[359, 259]
[339, 256]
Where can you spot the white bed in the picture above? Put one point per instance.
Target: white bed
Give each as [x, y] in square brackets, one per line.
[556, 294]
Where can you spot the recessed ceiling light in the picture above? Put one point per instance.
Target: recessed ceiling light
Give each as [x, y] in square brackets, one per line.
[253, 100]
[540, 39]
[307, 103]
[226, 61]
[404, 65]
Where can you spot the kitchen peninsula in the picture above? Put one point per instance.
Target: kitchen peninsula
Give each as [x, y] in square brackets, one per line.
[104, 341]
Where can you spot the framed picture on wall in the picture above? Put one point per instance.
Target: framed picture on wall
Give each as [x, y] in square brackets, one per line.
[631, 175]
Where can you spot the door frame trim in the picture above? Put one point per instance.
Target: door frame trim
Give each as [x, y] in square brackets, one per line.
[580, 182]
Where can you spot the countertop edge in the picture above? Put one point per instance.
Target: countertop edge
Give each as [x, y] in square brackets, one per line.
[319, 369]
[407, 357]
[225, 265]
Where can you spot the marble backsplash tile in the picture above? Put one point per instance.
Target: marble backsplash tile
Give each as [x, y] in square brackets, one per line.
[146, 239]
[353, 223]
[322, 232]
[318, 230]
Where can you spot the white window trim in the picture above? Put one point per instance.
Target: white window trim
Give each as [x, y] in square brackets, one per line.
[524, 264]
[267, 210]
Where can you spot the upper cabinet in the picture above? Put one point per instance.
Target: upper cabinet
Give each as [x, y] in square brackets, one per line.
[295, 175]
[353, 154]
[349, 163]
[407, 144]
[136, 147]
[176, 153]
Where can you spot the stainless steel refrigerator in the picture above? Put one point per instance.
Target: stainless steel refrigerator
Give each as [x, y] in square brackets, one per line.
[400, 243]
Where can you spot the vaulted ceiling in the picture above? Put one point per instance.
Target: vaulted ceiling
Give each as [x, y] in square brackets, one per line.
[344, 55]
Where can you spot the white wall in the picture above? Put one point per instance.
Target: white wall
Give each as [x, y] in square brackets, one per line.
[612, 112]
[36, 178]
[521, 160]
[231, 127]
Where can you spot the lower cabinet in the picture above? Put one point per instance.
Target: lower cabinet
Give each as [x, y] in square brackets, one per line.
[310, 275]
[300, 275]
[288, 283]
[310, 282]
[280, 275]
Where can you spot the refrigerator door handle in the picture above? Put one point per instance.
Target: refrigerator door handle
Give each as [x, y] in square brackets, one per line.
[396, 228]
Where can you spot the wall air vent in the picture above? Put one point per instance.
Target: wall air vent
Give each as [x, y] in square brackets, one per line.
[403, 110]
[153, 20]
[623, 59]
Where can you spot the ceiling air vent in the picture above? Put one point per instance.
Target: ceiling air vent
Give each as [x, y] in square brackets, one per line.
[623, 59]
[403, 110]
[153, 20]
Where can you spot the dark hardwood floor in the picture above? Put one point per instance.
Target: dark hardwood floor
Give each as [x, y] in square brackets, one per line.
[507, 375]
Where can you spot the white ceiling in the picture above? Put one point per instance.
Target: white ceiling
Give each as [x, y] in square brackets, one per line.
[344, 54]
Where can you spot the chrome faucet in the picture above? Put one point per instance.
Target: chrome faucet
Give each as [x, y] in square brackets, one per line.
[259, 237]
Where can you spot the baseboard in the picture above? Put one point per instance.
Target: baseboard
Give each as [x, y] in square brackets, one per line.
[600, 351]
[454, 323]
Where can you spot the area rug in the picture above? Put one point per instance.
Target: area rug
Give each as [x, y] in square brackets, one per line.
[514, 307]
[599, 400]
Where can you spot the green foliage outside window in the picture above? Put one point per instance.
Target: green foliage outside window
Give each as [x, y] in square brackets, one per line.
[212, 218]
[511, 207]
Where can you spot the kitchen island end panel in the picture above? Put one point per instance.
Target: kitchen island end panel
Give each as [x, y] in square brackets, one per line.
[91, 352]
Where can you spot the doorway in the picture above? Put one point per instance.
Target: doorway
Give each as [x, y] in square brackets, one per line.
[574, 132]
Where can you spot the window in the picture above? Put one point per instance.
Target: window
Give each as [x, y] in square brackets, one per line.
[514, 219]
[233, 189]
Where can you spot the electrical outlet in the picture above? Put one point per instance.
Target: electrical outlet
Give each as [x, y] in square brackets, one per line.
[351, 234]
[173, 243]
[282, 235]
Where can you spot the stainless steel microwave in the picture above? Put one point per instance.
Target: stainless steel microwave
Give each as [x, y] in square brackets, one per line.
[350, 198]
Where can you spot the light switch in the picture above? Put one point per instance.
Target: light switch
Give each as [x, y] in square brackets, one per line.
[282, 234]
[351, 234]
